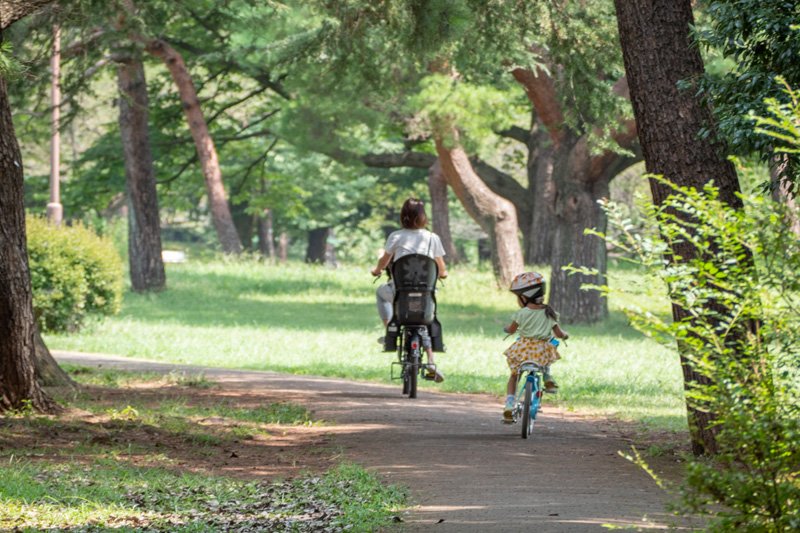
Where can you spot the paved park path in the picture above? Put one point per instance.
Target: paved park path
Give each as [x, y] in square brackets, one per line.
[466, 471]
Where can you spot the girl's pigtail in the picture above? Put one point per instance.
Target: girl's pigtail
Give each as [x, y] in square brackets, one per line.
[550, 313]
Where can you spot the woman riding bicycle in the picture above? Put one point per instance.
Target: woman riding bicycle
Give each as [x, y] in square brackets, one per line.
[412, 239]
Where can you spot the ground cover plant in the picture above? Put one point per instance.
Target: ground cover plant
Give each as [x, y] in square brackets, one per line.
[169, 452]
[312, 320]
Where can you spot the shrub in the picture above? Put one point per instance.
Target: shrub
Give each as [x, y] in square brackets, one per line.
[73, 273]
[742, 336]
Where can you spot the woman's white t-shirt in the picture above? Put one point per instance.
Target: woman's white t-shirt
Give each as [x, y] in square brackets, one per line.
[414, 241]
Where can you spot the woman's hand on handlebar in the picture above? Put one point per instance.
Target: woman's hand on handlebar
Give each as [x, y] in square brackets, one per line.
[376, 272]
[443, 275]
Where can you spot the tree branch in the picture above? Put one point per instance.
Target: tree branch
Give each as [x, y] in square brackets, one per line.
[502, 184]
[404, 159]
[541, 91]
[518, 134]
[244, 98]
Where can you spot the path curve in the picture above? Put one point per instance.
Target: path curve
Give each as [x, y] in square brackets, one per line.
[466, 470]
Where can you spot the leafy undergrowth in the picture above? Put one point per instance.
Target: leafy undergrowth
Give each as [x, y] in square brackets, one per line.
[147, 452]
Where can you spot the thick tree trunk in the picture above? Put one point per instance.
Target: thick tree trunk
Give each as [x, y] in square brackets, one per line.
[144, 227]
[576, 209]
[206, 151]
[317, 245]
[496, 215]
[658, 53]
[18, 383]
[539, 227]
[440, 211]
[565, 183]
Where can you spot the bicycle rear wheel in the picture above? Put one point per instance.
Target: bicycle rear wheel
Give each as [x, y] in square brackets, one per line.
[413, 374]
[527, 415]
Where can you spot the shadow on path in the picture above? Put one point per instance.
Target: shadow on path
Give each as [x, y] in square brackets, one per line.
[466, 471]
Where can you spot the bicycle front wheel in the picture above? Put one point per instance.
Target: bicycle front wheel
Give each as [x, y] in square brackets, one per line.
[527, 415]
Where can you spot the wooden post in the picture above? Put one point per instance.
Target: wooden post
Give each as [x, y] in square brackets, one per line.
[55, 211]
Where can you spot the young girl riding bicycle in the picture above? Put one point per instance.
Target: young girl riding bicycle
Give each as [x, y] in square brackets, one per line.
[537, 324]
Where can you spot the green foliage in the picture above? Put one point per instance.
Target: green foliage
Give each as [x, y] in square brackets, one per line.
[477, 110]
[74, 273]
[578, 40]
[782, 124]
[742, 334]
[9, 66]
[761, 40]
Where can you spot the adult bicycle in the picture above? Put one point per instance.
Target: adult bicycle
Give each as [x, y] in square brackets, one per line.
[413, 321]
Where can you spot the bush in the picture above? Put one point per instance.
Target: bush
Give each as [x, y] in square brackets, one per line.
[73, 273]
[742, 336]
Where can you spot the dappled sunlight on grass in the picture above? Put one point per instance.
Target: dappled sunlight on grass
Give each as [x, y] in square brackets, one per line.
[312, 320]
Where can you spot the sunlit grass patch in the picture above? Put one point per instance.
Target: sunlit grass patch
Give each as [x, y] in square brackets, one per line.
[304, 319]
[112, 377]
[110, 494]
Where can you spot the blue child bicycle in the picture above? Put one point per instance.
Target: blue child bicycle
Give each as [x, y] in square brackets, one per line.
[529, 396]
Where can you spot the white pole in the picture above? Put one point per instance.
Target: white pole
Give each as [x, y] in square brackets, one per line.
[55, 211]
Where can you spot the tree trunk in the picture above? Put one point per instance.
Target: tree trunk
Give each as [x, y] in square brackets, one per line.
[781, 184]
[243, 221]
[13, 10]
[206, 151]
[18, 384]
[538, 229]
[48, 372]
[283, 247]
[266, 238]
[144, 227]
[576, 209]
[440, 211]
[565, 183]
[317, 244]
[658, 53]
[496, 215]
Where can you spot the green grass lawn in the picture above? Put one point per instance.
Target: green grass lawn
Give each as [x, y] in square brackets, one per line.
[313, 320]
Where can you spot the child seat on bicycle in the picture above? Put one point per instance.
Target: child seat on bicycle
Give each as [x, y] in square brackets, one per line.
[414, 277]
